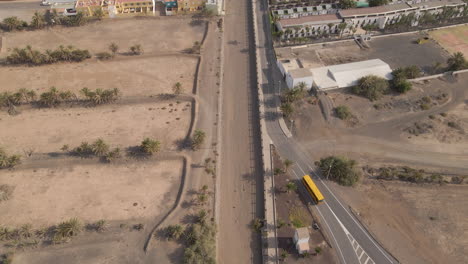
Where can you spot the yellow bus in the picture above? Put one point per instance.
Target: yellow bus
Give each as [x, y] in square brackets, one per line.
[312, 189]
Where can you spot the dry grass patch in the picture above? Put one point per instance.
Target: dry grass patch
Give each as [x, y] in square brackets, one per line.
[47, 130]
[90, 192]
[154, 35]
[139, 76]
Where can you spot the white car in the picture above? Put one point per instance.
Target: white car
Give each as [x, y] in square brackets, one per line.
[45, 3]
[69, 12]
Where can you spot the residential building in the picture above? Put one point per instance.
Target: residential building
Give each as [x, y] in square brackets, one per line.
[308, 25]
[380, 17]
[115, 7]
[190, 5]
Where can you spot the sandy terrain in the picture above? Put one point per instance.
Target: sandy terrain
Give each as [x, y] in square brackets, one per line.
[132, 75]
[91, 192]
[169, 34]
[47, 130]
[452, 39]
[399, 214]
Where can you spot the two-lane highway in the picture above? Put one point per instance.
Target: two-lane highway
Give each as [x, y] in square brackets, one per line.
[352, 242]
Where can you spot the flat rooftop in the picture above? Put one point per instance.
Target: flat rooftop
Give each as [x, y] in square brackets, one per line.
[373, 10]
[437, 3]
[309, 19]
[300, 73]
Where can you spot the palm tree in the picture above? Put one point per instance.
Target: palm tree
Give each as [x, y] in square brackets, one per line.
[287, 164]
[330, 25]
[177, 88]
[100, 147]
[341, 28]
[150, 146]
[457, 62]
[37, 21]
[12, 23]
[50, 98]
[174, 232]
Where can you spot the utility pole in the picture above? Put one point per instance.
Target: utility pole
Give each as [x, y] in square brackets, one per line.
[329, 169]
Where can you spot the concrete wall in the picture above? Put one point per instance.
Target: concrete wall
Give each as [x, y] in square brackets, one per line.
[293, 82]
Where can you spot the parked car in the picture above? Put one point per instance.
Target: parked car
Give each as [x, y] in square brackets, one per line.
[316, 226]
[45, 3]
[69, 12]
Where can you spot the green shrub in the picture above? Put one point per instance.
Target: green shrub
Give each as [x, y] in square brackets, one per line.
[339, 169]
[8, 161]
[257, 225]
[174, 232]
[83, 150]
[410, 72]
[150, 146]
[100, 96]
[457, 62]
[13, 23]
[104, 55]
[343, 112]
[136, 49]
[74, 21]
[65, 230]
[197, 139]
[371, 87]
[401, 85]
[201, 243]
[30, 56]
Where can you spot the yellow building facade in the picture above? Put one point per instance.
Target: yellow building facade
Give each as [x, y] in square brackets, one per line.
[190, 5]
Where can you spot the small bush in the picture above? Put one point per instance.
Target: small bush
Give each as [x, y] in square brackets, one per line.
[100, 226]
[178, 89]
[8, 161]
[257, 225]
[30, 56]
[343, 112]
[113, 48]
[339, 169]
[197, 139]
[174, 232]
[7, 258]
[83, 150]
[65, 230]
[139, 227]
[104, 55]
[371, 87]
[136, 49]
[452, 124]
[150, 146]
[112, 155]
[6, 192]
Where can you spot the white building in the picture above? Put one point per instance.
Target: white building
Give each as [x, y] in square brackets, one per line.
[297, 76]
[301, 240]
[347, 75]
[335, 76]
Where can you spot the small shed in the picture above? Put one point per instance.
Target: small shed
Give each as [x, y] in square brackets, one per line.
[301, 239]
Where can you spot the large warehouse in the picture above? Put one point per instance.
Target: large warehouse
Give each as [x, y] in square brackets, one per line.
[337, 76]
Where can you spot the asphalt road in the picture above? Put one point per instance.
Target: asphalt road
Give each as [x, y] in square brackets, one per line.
[23, 10]
[353, 244]
[240, 176]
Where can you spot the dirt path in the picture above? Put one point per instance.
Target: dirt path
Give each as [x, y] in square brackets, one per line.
[241, 202]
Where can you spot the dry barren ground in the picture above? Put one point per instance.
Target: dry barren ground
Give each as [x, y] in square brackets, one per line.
[139, 75]
[453, 39]
[47, 130]
[90, 192]
[155, 35]
[407, 218]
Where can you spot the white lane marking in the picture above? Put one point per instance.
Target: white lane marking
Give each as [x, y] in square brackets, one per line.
[368, 260]
[358, 224]
[334, 238]
[362, 253]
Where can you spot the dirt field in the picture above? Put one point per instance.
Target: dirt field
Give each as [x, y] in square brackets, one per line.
[409, 53]
[91, 192]
[452, 39]
[408, 218]
[169, 34]
[138, 76]
[123, 126]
